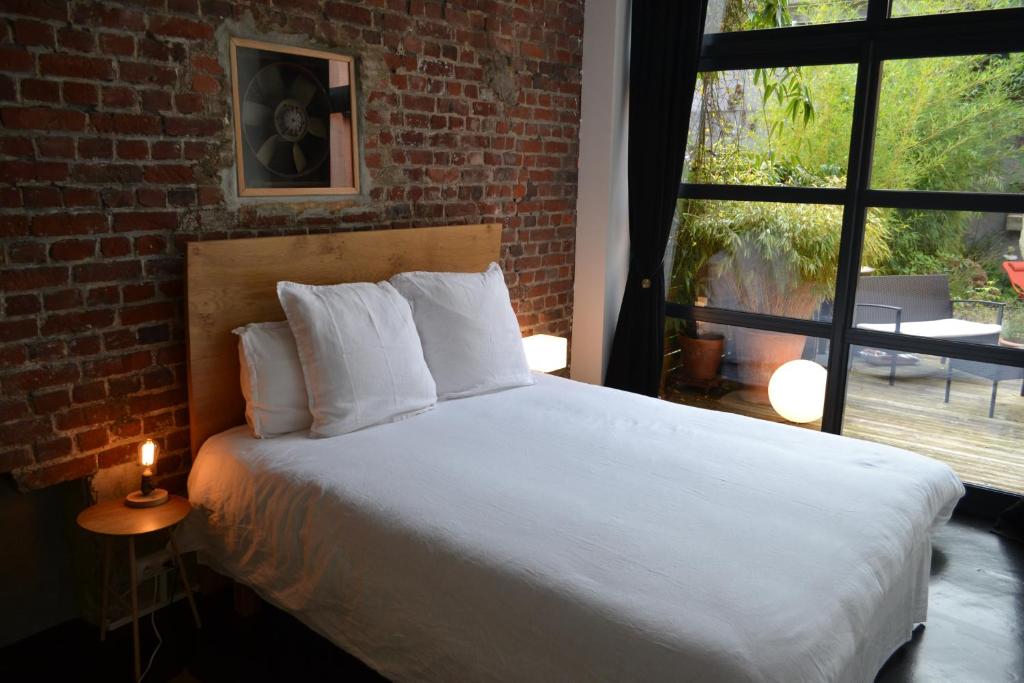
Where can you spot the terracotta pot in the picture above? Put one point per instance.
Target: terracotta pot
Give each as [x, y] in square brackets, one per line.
[759, 354]
[701, 356]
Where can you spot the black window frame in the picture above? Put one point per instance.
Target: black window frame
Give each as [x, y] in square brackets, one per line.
[866, 43]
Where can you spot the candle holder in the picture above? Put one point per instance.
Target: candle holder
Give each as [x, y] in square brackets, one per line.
[146, 496]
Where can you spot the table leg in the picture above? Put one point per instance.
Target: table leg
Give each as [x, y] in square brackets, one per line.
[184, 578]
[104, 599]
[135, 606]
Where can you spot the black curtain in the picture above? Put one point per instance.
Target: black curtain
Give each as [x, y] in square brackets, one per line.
[665, 40]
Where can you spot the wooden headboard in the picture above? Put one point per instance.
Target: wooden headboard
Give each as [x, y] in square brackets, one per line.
[234, 282]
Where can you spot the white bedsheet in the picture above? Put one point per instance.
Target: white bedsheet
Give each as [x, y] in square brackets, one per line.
[563, 531]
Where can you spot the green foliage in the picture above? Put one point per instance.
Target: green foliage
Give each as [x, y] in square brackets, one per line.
[948, 123]
[773, 258]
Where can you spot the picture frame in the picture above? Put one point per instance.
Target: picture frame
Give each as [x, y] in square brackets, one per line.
[295, 120]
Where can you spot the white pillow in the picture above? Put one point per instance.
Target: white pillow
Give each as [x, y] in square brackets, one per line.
[360, 354]
[272, 382]
[470, 334]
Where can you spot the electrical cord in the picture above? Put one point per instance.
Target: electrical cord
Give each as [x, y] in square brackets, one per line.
[159, 638]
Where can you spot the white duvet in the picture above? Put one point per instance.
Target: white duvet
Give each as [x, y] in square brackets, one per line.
[564, 531]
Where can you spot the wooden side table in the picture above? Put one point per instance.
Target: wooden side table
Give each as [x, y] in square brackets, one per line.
[114, 518]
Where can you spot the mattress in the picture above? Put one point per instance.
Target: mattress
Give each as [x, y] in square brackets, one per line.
[564, 531]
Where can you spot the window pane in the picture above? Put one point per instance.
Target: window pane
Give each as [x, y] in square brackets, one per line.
[951, 123]
[977, 428]
[908, 8]
[944, 274]
[729, 368]
[758, 257]
[749, 15]
[784, 126]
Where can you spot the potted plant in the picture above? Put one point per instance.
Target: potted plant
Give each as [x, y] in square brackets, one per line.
[700, 352]
[763, 257]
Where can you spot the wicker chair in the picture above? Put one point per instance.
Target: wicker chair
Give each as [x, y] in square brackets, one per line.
[995, 373]
[919, 305]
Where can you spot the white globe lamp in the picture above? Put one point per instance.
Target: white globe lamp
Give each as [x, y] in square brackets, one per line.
[797, 391]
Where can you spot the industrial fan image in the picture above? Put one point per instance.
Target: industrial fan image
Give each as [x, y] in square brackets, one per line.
[285, 115]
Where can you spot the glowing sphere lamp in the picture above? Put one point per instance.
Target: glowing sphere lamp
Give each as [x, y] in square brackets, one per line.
[797, 391]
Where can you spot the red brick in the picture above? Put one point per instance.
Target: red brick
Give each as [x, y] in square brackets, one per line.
[114, 17]
[140, 72]
[13, 330]
[77, 40]
[136, 315]
[85, 94]
[42, 197]
[80, 196]
[87, 393]
[39, 377]
[26, 252]
[92, 439]
[64, 299]
[119, 455]
[95, 148]
[33, 478]
[118, 365]
[118, 97]
[53, 449]
[107, 271]
[74, 323]
[148, 220]
[40, 90]
[132, 149]
[29, 429]
[171, 174]
[72, 250]
[69, 224]
[188, 103]
[207, 63]
[126, 124]
[108, 295]
[16, 59]
[164, 150]
[113, 44]
[41, 118]
[28, 32]
[194, 127]
[115, 246]
[26, 171]
[76, 66]
[17, 146]
[53, 146]
[179, 27]
[21, 304]
[27, 279]
[50, 402]
[156, 101]
[205, 84]
[13, 410]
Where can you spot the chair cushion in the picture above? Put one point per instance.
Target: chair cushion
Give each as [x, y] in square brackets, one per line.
[948, 328]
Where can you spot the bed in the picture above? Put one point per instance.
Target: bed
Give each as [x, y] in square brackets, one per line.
[563, 531]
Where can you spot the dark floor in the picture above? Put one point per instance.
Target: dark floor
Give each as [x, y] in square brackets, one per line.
[975, 633]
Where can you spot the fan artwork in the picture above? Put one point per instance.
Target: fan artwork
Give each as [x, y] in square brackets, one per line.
[295, 123]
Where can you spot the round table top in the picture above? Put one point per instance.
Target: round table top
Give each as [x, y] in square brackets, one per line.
[114, 518]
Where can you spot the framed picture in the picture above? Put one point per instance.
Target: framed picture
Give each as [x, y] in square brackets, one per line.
[295, 120]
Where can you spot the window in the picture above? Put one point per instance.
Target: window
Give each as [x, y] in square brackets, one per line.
[849, 222]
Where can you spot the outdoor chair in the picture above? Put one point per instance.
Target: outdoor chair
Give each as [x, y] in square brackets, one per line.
[995, 373]
[1015, 271]
[919, 305]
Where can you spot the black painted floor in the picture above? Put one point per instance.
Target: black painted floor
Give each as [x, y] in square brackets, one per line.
[975, 633]
[975, 629]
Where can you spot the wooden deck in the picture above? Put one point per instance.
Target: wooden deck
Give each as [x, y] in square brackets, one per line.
[911, 414]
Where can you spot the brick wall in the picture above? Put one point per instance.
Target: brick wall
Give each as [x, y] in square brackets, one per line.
[115, 137]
